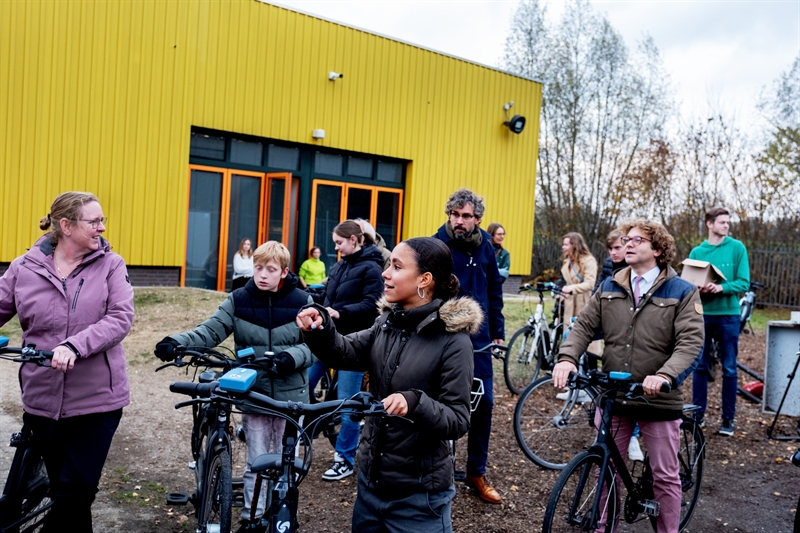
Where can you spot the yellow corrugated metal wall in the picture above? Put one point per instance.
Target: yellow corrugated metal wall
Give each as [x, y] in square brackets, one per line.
[100, 95]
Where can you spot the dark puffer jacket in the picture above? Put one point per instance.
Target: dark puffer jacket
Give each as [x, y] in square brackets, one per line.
[264, 321]
[354, 286]
[426, 355]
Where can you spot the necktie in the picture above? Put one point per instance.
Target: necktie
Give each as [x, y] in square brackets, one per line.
[636, 281]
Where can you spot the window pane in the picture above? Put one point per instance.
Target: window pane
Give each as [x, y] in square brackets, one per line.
[275, 228]
[326, 217]
[202, 242]
[328, 164]
[207, 146]
[359, 203]
[243, 218]
[283, 158]
[359, 167]
[392, 172]
[387, 216]
[246, 153]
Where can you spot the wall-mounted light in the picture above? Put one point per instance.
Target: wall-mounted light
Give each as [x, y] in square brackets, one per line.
[333, 76]
[318, 134]
[517, 123]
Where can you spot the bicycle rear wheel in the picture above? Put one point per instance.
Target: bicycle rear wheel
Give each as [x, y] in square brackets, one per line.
[214, 515]
[572, 498]
[523, 359]
[552, 426]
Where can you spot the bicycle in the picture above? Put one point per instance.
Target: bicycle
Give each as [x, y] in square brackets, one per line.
[796, 462]
[535, 345]
[284, 471]
[327, 389]
[747, 304]
[25, 500]
[212, 444]
[585, 496]
[551, 426]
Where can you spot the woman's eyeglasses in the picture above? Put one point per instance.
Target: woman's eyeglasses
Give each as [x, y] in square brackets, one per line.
[96, 222]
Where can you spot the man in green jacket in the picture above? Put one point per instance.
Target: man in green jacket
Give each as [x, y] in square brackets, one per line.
[721, 312]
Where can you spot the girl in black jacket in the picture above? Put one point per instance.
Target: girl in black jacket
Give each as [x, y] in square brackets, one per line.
[419, 356]
[353, 289]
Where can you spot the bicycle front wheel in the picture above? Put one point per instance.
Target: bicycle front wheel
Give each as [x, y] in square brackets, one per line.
[571, 506]
[26, 500]
[552, 426]
[215, 508]
[691, 457]
[522, 361]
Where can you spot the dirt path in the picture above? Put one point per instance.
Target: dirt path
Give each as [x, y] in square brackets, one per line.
[749, 485]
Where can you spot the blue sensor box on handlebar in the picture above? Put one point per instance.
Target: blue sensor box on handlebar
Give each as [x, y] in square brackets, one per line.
[238, 380]
[4, 342]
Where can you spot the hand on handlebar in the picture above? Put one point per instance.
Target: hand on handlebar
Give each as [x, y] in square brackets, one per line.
[652, 384]
[396, 404]
[63, 359]
[309, 319]
[561, 373]
[166, 349]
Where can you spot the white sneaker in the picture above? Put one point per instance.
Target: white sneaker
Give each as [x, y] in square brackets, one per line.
[582, 397]
[339, 470]
[634, 450]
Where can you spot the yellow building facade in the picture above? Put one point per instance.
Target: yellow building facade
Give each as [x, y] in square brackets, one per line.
[201, 122]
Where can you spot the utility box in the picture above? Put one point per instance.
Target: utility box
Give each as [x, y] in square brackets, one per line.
[783, 345]
[700, 273]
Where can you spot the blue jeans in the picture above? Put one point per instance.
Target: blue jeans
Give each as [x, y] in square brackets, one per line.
[479, 430]
[347, 442]
[315, 372]
[725, 329]
[421, 512]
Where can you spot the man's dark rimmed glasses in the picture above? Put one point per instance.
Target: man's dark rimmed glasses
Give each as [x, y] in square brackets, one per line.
[635, 240]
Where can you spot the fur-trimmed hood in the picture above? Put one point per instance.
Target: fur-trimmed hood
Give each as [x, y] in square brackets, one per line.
[459, 314]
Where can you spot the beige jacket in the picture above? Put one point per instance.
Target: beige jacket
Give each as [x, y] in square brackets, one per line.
[581, 290]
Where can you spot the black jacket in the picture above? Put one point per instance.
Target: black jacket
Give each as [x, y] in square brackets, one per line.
[609, 267]
[425, 354]
[354, 286]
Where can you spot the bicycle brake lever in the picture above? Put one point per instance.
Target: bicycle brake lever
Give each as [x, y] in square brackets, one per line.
[191, 402]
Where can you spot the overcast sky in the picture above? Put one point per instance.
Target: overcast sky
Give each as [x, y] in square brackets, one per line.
[720, 50]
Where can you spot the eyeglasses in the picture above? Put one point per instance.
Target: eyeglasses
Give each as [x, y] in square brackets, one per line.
[635, 240]
[96, 222]
[465, 216]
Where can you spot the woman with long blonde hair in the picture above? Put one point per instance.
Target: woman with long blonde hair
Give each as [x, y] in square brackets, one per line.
[579, 270]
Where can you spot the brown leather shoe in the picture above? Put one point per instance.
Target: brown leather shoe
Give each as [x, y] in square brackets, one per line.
[485, 491]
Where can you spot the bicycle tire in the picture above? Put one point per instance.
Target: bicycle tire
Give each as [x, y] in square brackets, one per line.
[691, 457]
[217, 502]
[552, 431]
[25, 500]
[569, 507]
[521, 364]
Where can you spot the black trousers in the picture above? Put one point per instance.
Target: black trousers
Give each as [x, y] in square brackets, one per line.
[74, 450]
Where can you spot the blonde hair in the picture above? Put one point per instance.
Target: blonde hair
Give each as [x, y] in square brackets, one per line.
[579, 248]
[272, 251]
[241, 251]
[67, 205]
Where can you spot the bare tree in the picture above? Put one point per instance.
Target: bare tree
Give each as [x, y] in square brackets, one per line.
[601, 107]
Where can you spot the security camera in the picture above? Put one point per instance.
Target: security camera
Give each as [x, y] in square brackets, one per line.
[333, 75]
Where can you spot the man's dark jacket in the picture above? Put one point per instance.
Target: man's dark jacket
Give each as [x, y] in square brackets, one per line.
[480, 279]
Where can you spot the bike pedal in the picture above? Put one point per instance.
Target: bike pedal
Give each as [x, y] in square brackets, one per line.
[459, 475]
[651, 508]
[177, 498]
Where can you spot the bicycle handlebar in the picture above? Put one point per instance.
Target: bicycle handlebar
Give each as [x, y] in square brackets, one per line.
[610, 381]
[28, 354]
[208, 358]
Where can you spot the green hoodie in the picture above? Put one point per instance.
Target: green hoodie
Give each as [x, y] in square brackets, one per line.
[730, 257]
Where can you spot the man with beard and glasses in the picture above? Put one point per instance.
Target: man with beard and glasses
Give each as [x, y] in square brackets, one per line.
[475, 267]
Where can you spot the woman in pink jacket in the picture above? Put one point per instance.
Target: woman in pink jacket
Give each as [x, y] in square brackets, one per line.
[73, 296]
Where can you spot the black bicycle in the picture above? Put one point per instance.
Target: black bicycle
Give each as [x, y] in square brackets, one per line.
[25, 500]
[283, 471]
[216, 439]
[587, 495]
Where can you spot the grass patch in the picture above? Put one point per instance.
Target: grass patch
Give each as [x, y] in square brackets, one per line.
[762, 316]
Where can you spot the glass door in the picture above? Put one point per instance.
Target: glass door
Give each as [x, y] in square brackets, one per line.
[203, 228]
[243, 216]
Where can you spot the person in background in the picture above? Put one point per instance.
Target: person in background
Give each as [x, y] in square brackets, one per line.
[579, 270]
[312, 271]
[405, 474]
[652, 322]
[498, 234]
[476, 269]
[242, 264]
[373, 237]
[73, 296]
[721, 312]
[615, 259]
[351, 295]
[261, 315]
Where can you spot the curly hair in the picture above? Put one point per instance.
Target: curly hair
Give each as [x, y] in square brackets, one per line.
[462, 197]
[660, 239]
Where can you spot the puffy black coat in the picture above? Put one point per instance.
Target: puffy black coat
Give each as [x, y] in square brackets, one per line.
[609, 267]
[426, 355]
[354, 287]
